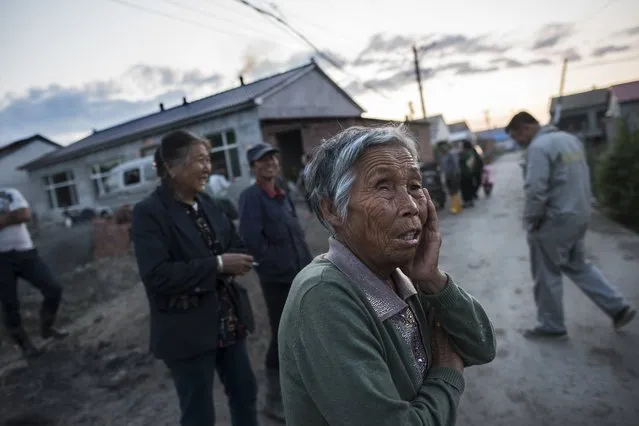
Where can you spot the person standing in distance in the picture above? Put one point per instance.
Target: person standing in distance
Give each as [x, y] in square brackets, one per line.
[557, 212]
[269, 225]
[20, 259]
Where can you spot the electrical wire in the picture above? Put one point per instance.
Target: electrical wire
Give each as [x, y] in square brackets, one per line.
[319, 52]
[186, 20]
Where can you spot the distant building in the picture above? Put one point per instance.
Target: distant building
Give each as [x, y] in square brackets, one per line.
[16, 153]
[438, 129]
[294, 110]
[623, 103]
[583, 114]
[460, 131]
[498, 136]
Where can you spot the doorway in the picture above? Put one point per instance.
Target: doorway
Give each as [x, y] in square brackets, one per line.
[291, 150]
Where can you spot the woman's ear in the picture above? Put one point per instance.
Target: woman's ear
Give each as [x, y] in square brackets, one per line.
[328, 212]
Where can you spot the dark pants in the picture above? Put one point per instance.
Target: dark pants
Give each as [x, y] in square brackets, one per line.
[193, 379]
[275, 294]
[467, 184]
[29, 266]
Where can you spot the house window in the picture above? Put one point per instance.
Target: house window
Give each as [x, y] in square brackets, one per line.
[60, 189]
[148, 150]
[225, 153]
[100, 174]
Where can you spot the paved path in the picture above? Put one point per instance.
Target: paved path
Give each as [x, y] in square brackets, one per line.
[593, 378]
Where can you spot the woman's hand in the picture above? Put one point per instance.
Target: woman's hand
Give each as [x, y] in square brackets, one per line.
[236, 264]
[424, 270]
[444, 354]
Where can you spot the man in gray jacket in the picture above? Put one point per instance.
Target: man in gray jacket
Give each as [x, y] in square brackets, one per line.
[557, 211]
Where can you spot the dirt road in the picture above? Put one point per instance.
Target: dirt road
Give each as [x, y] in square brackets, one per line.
[103, 376]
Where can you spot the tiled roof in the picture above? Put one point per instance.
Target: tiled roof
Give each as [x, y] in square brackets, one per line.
[16, 145]
[626, 92]
[592, 98]
[236, 97]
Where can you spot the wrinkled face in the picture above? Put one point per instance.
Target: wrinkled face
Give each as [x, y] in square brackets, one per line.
[192, 174]
[387, 209]
[267, 167]
[524, 134]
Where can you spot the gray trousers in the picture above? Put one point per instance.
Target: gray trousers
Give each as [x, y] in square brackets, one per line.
[558, 247]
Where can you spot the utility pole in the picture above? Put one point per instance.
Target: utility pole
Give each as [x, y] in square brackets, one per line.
[487, 119]
[419, 81]
[557, 112]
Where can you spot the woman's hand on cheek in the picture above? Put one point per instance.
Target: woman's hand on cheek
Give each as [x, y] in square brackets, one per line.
[424, 271]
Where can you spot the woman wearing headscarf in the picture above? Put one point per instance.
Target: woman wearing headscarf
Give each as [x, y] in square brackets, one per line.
[188, 253]
[373, 332]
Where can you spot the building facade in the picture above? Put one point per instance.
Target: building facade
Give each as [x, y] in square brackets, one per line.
[294, 111]
[19, 152]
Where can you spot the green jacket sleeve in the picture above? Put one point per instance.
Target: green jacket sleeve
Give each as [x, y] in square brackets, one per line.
[465, 321]
[341, 361]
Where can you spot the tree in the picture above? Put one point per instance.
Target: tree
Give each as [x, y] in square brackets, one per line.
[617, 176]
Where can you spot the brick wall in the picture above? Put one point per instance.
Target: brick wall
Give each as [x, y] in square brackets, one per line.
[315, 130]
[110, 239]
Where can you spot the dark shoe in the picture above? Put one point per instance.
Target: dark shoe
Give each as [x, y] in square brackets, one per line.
[274, 408]
[624, 317]
[47, 330]
[540, 333]
[55, 333]
[25, 344]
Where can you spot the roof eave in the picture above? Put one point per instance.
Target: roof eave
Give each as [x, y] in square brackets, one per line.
[42, 162]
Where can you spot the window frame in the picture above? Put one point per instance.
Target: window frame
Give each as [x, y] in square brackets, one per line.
[100, 178]
[50, 189]
[226, 148]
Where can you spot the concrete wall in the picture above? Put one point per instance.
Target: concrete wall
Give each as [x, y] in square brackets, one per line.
[10, 176]
[310, 96]
[244, 123]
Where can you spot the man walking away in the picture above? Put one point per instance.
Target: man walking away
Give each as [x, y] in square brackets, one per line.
[19, 259]
[450, 167]
[273, 235]
[468, 168]
[557, 211]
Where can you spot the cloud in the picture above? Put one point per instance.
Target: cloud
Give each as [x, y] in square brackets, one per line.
[602, 51]
[572, 55]
[514, 63]
[551, 35]
[632, 31]
[403, 77]
[68, 110]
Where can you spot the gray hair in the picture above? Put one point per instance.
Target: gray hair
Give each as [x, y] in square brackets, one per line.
[331, 172]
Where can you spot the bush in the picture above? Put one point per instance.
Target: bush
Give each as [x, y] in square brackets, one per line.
[617, 177]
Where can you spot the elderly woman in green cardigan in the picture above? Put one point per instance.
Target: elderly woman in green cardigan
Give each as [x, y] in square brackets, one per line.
[373, 332]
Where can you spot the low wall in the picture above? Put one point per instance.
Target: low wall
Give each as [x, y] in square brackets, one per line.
[110, 239]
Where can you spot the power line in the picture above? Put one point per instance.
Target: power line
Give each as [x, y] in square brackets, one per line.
[319, 52]
[183, 20]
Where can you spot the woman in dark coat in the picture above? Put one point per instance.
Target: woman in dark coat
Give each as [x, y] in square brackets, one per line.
[188, 253]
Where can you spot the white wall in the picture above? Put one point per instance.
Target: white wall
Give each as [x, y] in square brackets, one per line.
[10, 176]
[310, 96]
[244, 123]
[441, 132]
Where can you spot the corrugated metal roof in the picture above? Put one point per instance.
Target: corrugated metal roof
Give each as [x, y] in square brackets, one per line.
[219, 102]
[592, 98]
[626, 92]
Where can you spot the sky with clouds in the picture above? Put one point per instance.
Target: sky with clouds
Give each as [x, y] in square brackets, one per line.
[69, 66]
